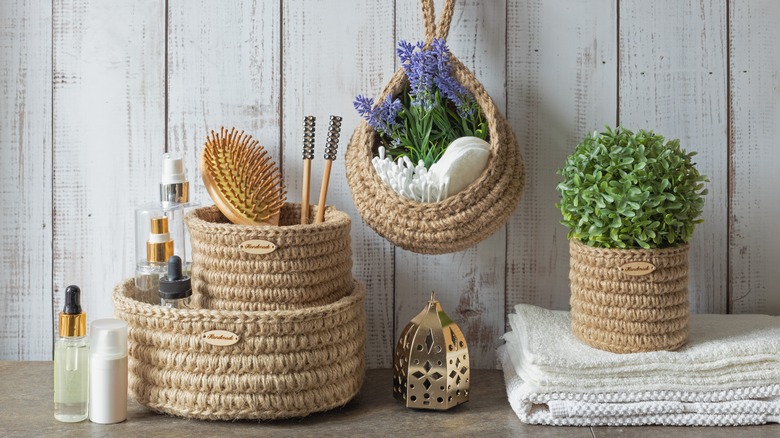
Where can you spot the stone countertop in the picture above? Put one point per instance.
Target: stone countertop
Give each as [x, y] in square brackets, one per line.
[26, 410]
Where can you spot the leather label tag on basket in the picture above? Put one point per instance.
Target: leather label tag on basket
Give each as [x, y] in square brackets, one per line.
[637, 269]
[220, 338]
[257, 247]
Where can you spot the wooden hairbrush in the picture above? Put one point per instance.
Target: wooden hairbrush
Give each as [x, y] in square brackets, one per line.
[242, 180]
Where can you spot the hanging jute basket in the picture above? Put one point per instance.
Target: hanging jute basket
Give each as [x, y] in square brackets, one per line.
[310, 265]
[459, 221]
[629, 300]
[272, 364]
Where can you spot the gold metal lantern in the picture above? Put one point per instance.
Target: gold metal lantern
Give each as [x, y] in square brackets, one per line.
[431, 367]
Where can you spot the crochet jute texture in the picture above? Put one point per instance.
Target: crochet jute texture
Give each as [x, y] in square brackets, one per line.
[311, 266]
[287, 363]
[617, 312]
[459, 221]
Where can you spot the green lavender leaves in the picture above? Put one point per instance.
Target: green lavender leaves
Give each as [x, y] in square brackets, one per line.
[627, 190]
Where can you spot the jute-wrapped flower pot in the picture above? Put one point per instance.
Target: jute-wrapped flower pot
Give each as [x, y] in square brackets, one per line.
[629, 300]
[282, 364]
[311, 264]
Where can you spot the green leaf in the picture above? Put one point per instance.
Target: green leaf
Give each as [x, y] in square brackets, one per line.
[622, 189]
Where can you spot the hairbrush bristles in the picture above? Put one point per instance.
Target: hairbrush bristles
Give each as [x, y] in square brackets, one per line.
[245, 184]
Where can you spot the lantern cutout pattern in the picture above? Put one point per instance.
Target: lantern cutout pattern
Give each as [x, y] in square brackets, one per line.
[431, 366]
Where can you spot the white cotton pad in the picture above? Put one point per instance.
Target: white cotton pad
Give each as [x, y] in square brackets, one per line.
[462, 163]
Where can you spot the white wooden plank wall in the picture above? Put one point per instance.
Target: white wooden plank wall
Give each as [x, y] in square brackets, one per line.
[754, 156]
[561, 85]
[108, 94]
[25, 179]
[326, 63]
[93, 94]
[673, 78]
[470, 284]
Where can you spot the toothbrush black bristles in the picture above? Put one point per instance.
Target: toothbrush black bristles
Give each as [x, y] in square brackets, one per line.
[309, 123]
[332, 143]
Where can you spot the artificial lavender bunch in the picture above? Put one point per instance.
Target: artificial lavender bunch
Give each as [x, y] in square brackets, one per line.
[431, 112]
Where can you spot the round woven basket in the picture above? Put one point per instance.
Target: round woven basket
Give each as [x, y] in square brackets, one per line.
[461, 220]
[311, 266]
[285, 363]
[613, 310]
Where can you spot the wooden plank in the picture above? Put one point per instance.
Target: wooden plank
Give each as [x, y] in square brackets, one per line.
[108, 136]
[470, 284]
[754, 244]
[25, 180]
[562, 84]
[673, 80]
[224, 60]
[223, 70]
[331, 54]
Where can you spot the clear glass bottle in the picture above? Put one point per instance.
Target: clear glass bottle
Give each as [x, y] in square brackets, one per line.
[175, 288]
[159, 248]
[174, 203]
[71, 361]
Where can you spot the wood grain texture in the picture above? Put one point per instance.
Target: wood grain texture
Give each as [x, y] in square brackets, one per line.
[470, 284]
[83, 113]
[108, 134]
[754, 156]
[561, 84]
[332, 54]
[224, 61]
[673, 81]
[25, 180]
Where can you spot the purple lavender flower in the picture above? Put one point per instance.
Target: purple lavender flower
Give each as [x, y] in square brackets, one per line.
[451, 88]
[382, 117]
[420, 67]
[405, 50]
[365, 108]
[388, 112]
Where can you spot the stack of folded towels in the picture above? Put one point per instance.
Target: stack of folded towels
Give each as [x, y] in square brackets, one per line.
[727, 374]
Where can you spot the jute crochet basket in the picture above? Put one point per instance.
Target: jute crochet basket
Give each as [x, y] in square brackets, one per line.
[311, 265]
[459, 221]
[629, 301]
[286, 363]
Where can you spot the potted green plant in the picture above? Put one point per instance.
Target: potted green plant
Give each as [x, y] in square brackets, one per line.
[631, 202]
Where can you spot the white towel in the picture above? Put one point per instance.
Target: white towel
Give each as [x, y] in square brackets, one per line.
[727, 374]
[744, 406]
[723, 351]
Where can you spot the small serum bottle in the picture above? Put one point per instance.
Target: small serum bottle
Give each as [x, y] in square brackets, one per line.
[159, 247]
[71, 361]
[175, 288]
[108, 371]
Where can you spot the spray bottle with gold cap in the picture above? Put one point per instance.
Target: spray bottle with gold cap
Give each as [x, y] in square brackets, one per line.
[159, 248]
[71, 361]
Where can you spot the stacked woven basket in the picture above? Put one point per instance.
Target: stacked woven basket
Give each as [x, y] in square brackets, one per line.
[296, 312]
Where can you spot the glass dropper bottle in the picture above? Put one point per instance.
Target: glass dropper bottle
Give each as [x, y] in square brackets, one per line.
[71, 361]
[175, 288]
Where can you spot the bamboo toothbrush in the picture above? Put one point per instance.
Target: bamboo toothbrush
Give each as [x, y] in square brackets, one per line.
[308, 155]
[242, 180]
[332, 143]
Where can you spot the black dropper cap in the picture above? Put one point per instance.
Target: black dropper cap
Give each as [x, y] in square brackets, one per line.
[72, 300]
[175, 285]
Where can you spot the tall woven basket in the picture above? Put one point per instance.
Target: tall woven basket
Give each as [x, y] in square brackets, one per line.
[459, 221]
[629, 301]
